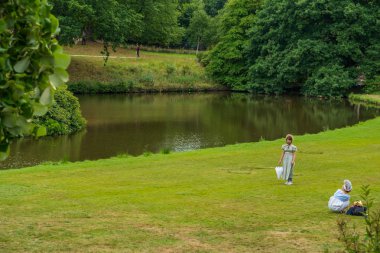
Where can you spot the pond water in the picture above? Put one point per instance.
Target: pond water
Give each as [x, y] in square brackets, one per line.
[139, 123]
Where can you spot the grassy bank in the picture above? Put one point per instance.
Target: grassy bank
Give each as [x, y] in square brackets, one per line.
[372, 99]
[124, 72]
[214, 200]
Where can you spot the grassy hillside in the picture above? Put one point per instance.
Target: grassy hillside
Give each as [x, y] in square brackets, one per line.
[151, 72]
[214, 200]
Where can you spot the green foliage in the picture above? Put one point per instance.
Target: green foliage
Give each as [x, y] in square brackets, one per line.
[352, 239]
[64, 116]
[170, 69]
[32, 65]
[213, 6]
[292, 44]
[328, 81]
[373, 85]
[147, 79]
[200, 32]
[111, 21]
[159, 22]
[196, 12]
[226, 63]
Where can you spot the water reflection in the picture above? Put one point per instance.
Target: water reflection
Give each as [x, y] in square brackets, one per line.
[137, 123]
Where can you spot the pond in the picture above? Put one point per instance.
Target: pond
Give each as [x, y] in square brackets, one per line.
[139, 123]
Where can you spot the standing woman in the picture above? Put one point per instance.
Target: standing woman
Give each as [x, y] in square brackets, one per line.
[288, 159]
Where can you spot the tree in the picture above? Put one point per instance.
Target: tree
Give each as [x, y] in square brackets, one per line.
[302, 44]
[227, 60]
[159, 22]
[212, 7]
[297, 45]
[75, 17]
[199, 27]
[32, 65]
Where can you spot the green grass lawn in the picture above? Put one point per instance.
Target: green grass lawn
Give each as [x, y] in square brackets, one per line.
[213, 200]
[151, 72]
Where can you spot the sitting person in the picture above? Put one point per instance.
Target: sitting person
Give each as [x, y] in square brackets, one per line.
[341, 198]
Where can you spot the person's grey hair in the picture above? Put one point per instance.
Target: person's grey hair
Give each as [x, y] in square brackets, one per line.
[347, 186]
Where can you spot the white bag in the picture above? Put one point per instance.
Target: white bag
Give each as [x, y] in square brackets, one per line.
[279, 171]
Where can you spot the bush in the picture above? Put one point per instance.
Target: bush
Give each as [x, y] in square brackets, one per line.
[186, 70]
[352, 240]
[147, 79]
[64, 116]
[330, 81]
[373, 85]
[170, 69]
[203, 59]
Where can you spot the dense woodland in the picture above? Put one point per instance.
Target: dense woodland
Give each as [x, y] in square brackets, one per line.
[183, 23]
[323, 47]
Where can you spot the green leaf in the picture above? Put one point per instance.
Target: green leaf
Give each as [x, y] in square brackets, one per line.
[39, 109]
[10, 120]
[59, 77]
[63, 75]
[46, 97]
[41, 131]
[54, 24]
[22, 65]
[55, 80]
[61, 60]
[47, 60]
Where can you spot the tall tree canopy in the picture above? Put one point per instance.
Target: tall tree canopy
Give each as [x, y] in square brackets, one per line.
[112, 21]
[320, 47]
[32, 65]
[212, 7]
[199, 28]
[227, 61]
[159, 21]
[150, 22]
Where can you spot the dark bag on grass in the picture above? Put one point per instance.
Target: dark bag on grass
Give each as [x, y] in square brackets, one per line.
[357, 211]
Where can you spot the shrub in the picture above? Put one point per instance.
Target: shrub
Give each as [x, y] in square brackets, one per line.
[202, 58]
[147, 79]
[186, 70]
[353, 241]
[170, 69]
[330, 81]
[64, 116]
[373, 85]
